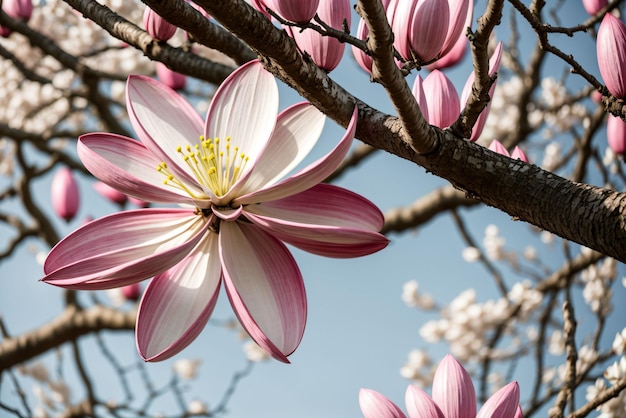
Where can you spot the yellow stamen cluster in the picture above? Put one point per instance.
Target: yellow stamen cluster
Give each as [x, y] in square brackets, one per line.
[213, 167]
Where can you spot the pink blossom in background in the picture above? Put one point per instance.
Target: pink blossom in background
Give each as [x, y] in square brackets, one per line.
[17, 9]
[443, 100]
[325, 51]
[517, 154]
[64, 193]
[365, 61]
[110, 193]
[453, 396]
[131, 292]
[236, 212]
[494, 67]
[171, 79]
[156, 26]
[299, 11]
[611, 52]
[616, 134]
[594, 6]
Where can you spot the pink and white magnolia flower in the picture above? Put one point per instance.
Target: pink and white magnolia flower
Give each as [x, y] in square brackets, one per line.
[64, 194]
[517, 154]
[325, 51]
[236, 211]
[494, 67]
[453, 396]
[611, 52]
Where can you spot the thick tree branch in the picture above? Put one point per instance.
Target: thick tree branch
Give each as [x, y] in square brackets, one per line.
[72, 323]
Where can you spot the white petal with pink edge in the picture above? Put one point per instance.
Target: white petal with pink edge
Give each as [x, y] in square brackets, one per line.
[325, 220]
[163, 120]
[298, 129]
[178, 303]
[244, 108]
[123, 248]
[264, 286]
[128, 166]
[308, 176]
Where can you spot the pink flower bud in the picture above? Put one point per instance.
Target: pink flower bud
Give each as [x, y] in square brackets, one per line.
[171, 79]
[596, 96]
[494, 66]
[616, 134]
[497, 147]
[131, 292]
[364, 60]
[518, 154]
[156, 26]
[420, 96]
[64, 193]
[461, 12]
[443, 100]
[16, 9]
[593, 6]
[299, 11]
[325, 51]
[611, 51]
[453, 390]
[110, 193]
[428, 28]
[453, 53]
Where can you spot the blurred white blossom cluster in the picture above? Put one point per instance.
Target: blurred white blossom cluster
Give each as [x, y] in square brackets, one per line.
[467, 325]
[52, 395]
[598, 279]
[34, 105]
[616, 372]
[504, 112]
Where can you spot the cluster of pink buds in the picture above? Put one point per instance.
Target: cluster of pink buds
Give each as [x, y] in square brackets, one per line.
[439, 101]
[18, 10]
[517, 154]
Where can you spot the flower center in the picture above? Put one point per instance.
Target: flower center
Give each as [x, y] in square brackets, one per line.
[213, 167]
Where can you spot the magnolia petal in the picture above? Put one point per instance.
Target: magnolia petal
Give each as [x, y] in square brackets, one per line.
[502, 404]
[227, 214]
[178, 302]
[128, 166]
[244, 108]
[518, 154]
[453, 389]
[420, 405]
[123, 248]
[298, 129]
[307, 177]
[375, 405]
[518, 412]
[461, 12]
[325, 220]
[264, 286]
[611, 54]
[164, 120]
